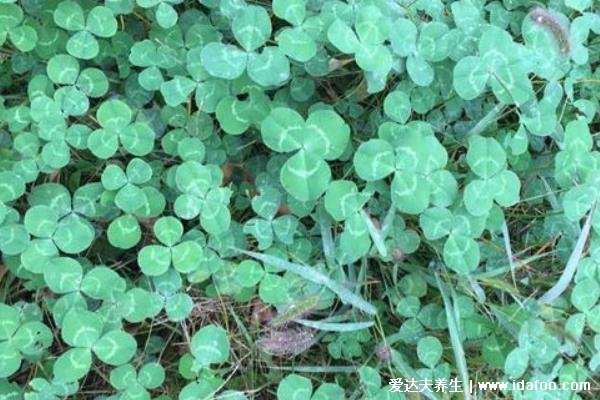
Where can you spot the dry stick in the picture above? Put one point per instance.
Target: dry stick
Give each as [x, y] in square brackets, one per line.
[565, 278]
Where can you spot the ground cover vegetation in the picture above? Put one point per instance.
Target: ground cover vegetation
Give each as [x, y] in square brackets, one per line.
[298, 199]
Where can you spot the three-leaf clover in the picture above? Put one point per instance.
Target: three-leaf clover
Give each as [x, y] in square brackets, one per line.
[202, 195]
[114, 117]
[184, 255]
[129, 195]
[366, 41]
[295, 42]
[99, 22]
[345, 203]
[251, 27]
[461, 251]
[416, 158]
[22, 36]
[135, 384]
[501, 63]
[487, 159]
[84, 331]
[430, 43]
[267, 226]
[177, 304]
[59, 221]
[19, 339]
[77, 84]
[323, 136]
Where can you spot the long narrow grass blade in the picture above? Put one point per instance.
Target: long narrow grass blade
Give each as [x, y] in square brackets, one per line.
[375, 234]
[326, 238]
[567, 275]
[335, 326]
[509, 253]
[318, 369]
[455, 336]
[313, 275]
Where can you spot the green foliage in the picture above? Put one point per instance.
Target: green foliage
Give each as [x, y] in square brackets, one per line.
[297, 199]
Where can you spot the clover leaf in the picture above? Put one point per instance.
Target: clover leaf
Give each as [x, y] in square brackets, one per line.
[430, 43]
[298, 387]
[344, 202]
[487, 160]
[84, 332]
[177, 304]
[210, 345]
[114, 117]
[501, 64]
[183, 255]
[134, 383]
[20, 339]
[323, 136]
[22, 36]
[267, 226]
[99, 22]
[460, 252]
[416, 158]
[202, 195]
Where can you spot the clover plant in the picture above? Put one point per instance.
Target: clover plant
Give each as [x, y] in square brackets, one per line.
[297, 199]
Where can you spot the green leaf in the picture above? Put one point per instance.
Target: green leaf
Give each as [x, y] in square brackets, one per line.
[187, 256]
[429, 351]
[470, 77]
[223, 60]
[101, 22]
[296, 44]
[305, 176]
[294, 387]
[114, 114]
[81, 328]
[168, 230]
[63, 275]
[151, 375]
[397, 106]
[10, 360]
[83, 45]
[154, 260]
[269, 68]
[485, 156]
[63, 69]
[115, 347]
[9, 321]
[73, 234]
[516, 363]
[374, 160]
[461, 254]
[210, 345]
[124, 232]
[282, 129]
[73, 364]
[69, 15]
[41, 221]
[11, 187]
[251, 27]
[293, 11]
[343, 37]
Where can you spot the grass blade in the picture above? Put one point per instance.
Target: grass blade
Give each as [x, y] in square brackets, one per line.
[565, 278]
[375, 234]
[313, 275]
[455, 336]
[335, 326]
